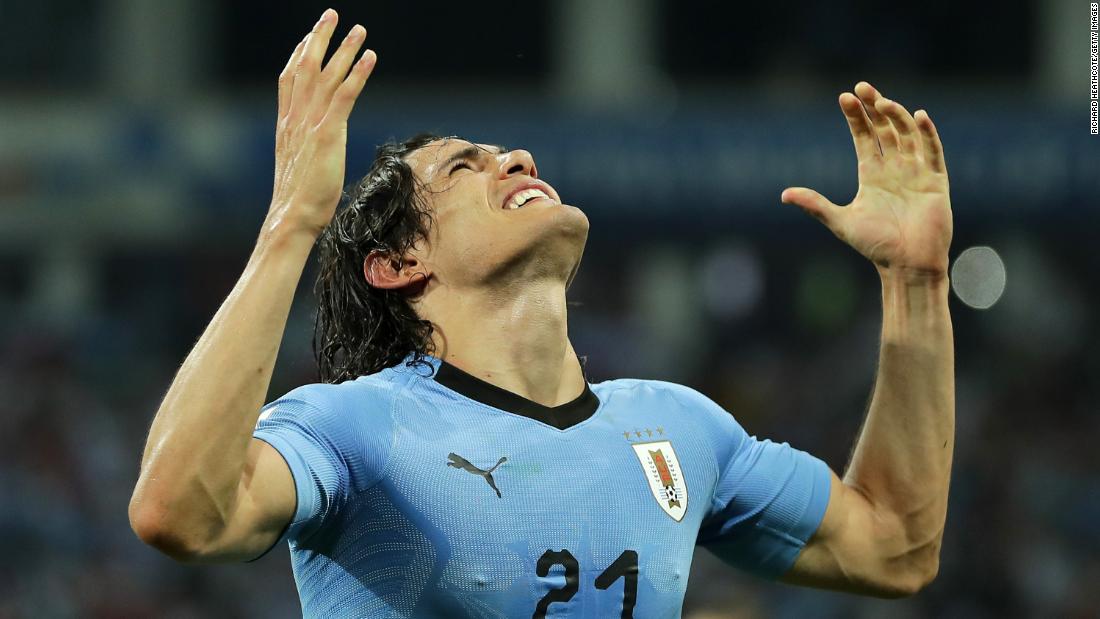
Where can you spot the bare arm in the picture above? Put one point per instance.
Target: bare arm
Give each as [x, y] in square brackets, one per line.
[207, 489]
[884, 525]
[883, 528]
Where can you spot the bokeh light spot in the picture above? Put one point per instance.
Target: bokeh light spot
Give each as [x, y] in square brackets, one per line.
[978, 277]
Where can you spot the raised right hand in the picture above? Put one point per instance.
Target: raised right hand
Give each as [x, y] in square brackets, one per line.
[311, 135]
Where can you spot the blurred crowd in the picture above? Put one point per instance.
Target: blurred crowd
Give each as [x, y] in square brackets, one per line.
[792, 355]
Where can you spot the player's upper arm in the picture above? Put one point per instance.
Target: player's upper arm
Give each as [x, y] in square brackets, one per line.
[266, 500]
[861, 549]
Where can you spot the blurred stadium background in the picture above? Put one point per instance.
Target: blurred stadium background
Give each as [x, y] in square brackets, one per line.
[135, 167]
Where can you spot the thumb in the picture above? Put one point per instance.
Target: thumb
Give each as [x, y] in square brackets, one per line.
[812, 202]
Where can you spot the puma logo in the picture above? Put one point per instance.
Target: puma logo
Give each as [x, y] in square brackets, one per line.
[459, 462]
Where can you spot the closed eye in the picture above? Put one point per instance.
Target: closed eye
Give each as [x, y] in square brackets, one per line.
[460, 164]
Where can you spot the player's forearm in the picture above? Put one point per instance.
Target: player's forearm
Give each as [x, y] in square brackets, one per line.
[198, 441]
[902, 461]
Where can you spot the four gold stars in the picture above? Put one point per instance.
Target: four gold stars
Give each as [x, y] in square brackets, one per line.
[659, 431]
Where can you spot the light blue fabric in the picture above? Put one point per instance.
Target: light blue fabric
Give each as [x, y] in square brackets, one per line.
[387, 525]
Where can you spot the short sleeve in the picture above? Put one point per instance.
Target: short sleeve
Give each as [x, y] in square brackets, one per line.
[769, 500]
[332, 445]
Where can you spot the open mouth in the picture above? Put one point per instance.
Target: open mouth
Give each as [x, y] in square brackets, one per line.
[528, 194]
[522, 198]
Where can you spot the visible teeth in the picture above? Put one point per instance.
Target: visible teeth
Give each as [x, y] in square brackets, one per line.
[522, 197]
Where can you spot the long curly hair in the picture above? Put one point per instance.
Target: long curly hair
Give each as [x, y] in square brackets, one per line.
[361, 329]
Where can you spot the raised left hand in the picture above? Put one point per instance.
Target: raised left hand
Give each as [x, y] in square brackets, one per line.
[900, 218]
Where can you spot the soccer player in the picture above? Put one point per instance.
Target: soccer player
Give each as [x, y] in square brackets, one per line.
[456, 463]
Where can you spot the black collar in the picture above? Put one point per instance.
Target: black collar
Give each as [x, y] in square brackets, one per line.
[561, 417]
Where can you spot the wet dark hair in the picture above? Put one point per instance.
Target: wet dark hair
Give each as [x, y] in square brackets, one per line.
[361, 329]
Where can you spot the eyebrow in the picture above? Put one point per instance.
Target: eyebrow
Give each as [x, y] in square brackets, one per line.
[470, 152]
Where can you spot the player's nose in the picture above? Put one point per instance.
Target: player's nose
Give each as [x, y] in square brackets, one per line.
[516, 162]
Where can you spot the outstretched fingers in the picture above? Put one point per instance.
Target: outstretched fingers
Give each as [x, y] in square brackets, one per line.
[930, 141]
[336, 70]
[343, 100]
[902, 122]
[887, 137]
[863, 134]
[308, 66]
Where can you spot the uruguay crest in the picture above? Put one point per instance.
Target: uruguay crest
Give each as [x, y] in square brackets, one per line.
[666, 480]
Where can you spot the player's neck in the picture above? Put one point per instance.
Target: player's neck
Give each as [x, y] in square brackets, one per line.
[516, 339]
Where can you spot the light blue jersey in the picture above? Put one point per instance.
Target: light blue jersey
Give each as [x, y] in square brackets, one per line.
[426, 492]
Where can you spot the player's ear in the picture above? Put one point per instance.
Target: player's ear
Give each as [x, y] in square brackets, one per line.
[389, 272]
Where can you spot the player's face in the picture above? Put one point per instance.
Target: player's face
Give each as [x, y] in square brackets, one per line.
[493, 216]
